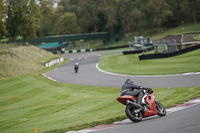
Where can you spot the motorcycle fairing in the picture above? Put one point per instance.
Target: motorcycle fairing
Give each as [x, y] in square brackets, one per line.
[123, 99]
[150, 99]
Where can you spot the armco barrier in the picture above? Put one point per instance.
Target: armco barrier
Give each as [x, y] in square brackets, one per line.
[110, 48]
[165, 55]
[137, 51]
[78, 51]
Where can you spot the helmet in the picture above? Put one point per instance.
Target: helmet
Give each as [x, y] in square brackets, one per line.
[77, 63]
[129, 81]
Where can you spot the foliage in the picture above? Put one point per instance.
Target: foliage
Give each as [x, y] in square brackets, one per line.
[2, 23]
[47, 20]
[142, 17]
[31, 20]
[22, 18]
[130, 16]
[66, 24]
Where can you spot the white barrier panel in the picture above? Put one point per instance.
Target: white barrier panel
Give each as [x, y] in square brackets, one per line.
[51, 63]
[83, 50]
[61, 59]
[74, 51]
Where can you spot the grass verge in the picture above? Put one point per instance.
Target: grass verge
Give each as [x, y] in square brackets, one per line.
[130, 64]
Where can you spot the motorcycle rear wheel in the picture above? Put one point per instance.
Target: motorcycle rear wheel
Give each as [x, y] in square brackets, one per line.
[132, 115]
[161, 109]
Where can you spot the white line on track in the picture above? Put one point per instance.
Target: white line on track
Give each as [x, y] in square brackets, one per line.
[97, 67]
[49, 78]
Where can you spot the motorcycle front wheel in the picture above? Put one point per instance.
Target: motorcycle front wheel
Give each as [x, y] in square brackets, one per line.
[161, 109]
[132, 115]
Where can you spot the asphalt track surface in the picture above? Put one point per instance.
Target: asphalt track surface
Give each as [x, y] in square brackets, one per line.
[90, 75]
[184, 121]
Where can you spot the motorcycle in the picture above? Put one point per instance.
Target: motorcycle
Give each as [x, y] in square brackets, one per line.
[135, 112]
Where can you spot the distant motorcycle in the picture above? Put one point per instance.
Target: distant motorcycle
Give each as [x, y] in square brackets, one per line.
[135, 112]
[76, 68]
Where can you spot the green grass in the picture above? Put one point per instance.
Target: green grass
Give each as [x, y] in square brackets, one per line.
[130, 64]
[173, 96]
[19, 60]
[32, 101]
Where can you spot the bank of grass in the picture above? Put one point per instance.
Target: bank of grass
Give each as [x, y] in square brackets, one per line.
[130, 64]
[32, 101]
[19, 60]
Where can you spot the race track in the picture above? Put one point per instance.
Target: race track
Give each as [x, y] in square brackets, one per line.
[89, 75]
[184, 121]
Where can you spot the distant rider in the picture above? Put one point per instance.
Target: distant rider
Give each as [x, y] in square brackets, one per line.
[128, 89]
[76, 67]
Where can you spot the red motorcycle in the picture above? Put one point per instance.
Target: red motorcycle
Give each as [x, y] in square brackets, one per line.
[136, 112]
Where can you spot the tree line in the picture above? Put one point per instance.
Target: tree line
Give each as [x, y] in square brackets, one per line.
[36, 18]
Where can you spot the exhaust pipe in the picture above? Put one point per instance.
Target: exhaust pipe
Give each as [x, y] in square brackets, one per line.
[134, 104]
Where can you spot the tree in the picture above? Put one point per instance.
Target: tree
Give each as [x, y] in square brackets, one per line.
[47, 20]
[194, 10]
[2, 18]
[88, 15]
[111, 16]
[159, 12]
[22, 18]
[70, 5]
[30, 20]
[66, 24]
[137, 20]
[124, 11]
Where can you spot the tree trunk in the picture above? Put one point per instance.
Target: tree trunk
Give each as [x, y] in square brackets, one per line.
[95, 28]
[195, 21]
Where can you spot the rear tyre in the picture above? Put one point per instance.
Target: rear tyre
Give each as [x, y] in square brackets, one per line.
[161, 109]
[132, 115]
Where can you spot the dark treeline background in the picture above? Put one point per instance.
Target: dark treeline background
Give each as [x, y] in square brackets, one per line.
[36, 18]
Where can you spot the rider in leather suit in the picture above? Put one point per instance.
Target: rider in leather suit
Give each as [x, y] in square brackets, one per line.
[128, 89]
[76, 67]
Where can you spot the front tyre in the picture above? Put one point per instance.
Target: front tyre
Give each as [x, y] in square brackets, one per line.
[76, 70]
[132, 115]
[161, 109]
